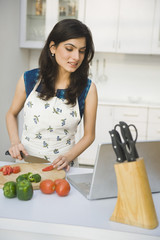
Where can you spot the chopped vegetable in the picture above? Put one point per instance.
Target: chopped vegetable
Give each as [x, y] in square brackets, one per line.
[48, 168]
[22, 177]
[30, 177]
[9, 189]
[16, 169]
[7, 169]
[24, 190]
[34, 178]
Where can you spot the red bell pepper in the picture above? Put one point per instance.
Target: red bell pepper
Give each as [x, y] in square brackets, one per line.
[48, 168]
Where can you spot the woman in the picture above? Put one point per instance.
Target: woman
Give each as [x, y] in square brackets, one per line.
[55, 97]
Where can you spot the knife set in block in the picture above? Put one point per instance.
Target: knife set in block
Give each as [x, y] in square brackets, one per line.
[134, 204]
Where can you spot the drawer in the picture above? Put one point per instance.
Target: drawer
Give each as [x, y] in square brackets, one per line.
[130, 114]
[153, 132]
[154, 115]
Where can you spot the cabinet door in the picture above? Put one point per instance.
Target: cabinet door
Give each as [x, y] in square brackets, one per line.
[156, 30]
[51, 15]
[153, 131]
[135, 26]
[104, 123]
[32, 24]
[102, 19]
[57, 10]
[38, 17]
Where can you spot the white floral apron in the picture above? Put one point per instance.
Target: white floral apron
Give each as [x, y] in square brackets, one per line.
[49, 126]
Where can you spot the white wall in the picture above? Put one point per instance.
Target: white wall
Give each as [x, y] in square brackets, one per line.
[13, 62]
[129, 76]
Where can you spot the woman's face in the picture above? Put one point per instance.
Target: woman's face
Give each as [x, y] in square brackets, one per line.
[70, 54]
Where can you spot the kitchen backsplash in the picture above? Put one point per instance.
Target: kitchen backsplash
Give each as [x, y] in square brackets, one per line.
[122, 77]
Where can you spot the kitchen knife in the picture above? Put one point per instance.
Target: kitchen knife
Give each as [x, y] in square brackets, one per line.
[117, 146]
[31, 159]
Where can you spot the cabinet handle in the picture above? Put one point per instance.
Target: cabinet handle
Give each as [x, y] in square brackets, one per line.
[130, 115]
[119, 44]
[113, 44]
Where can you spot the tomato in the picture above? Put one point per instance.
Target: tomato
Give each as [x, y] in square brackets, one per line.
[1, 169]
[48, 168]
[16, 169]
[58, 181]
[7, 170]
[47, 186]
[62, 188]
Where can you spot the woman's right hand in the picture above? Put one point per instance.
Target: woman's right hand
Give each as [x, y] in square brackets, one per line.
[17, 151]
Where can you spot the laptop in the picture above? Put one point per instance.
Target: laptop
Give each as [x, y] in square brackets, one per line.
[102, 182]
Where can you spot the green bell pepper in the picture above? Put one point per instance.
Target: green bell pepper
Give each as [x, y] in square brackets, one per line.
[9, 189]
[34, 178]
[22, 177]
[24, 190]
[30, 177]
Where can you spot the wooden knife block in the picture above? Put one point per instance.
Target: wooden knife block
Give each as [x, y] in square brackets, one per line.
[134, 204]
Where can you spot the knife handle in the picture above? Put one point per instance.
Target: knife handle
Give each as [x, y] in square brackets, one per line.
[8, 153]
[117, 146]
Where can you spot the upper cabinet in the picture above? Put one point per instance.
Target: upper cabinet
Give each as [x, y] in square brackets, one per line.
[156, 30]
[38, 17]
[32, 24]
[135, 26]
[118, 26]
[102, 18]
[123, 26]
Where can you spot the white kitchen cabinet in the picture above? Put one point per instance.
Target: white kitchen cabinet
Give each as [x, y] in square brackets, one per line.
[57, 10]
[102, 18]
[145, 118]
[122, 26]
[32, 23]
[133, 115]
[104, 124]
[153, 130]
[135, 26]
[38, 17]
[107, 117]
[156, 30]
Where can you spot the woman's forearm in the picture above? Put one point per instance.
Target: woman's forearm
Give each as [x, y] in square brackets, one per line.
[80, 146]
[12, 127]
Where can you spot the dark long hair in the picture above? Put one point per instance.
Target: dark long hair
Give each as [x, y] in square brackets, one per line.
[62, 31]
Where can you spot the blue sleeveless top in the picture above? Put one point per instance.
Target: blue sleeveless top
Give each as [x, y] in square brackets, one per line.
[31, 78]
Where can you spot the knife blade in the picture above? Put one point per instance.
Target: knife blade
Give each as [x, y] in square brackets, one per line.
[31, 159]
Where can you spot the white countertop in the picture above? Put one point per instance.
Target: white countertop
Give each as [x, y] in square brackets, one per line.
[71, 217]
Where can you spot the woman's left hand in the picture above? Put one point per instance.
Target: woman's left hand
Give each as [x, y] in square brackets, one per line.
[61, 162]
